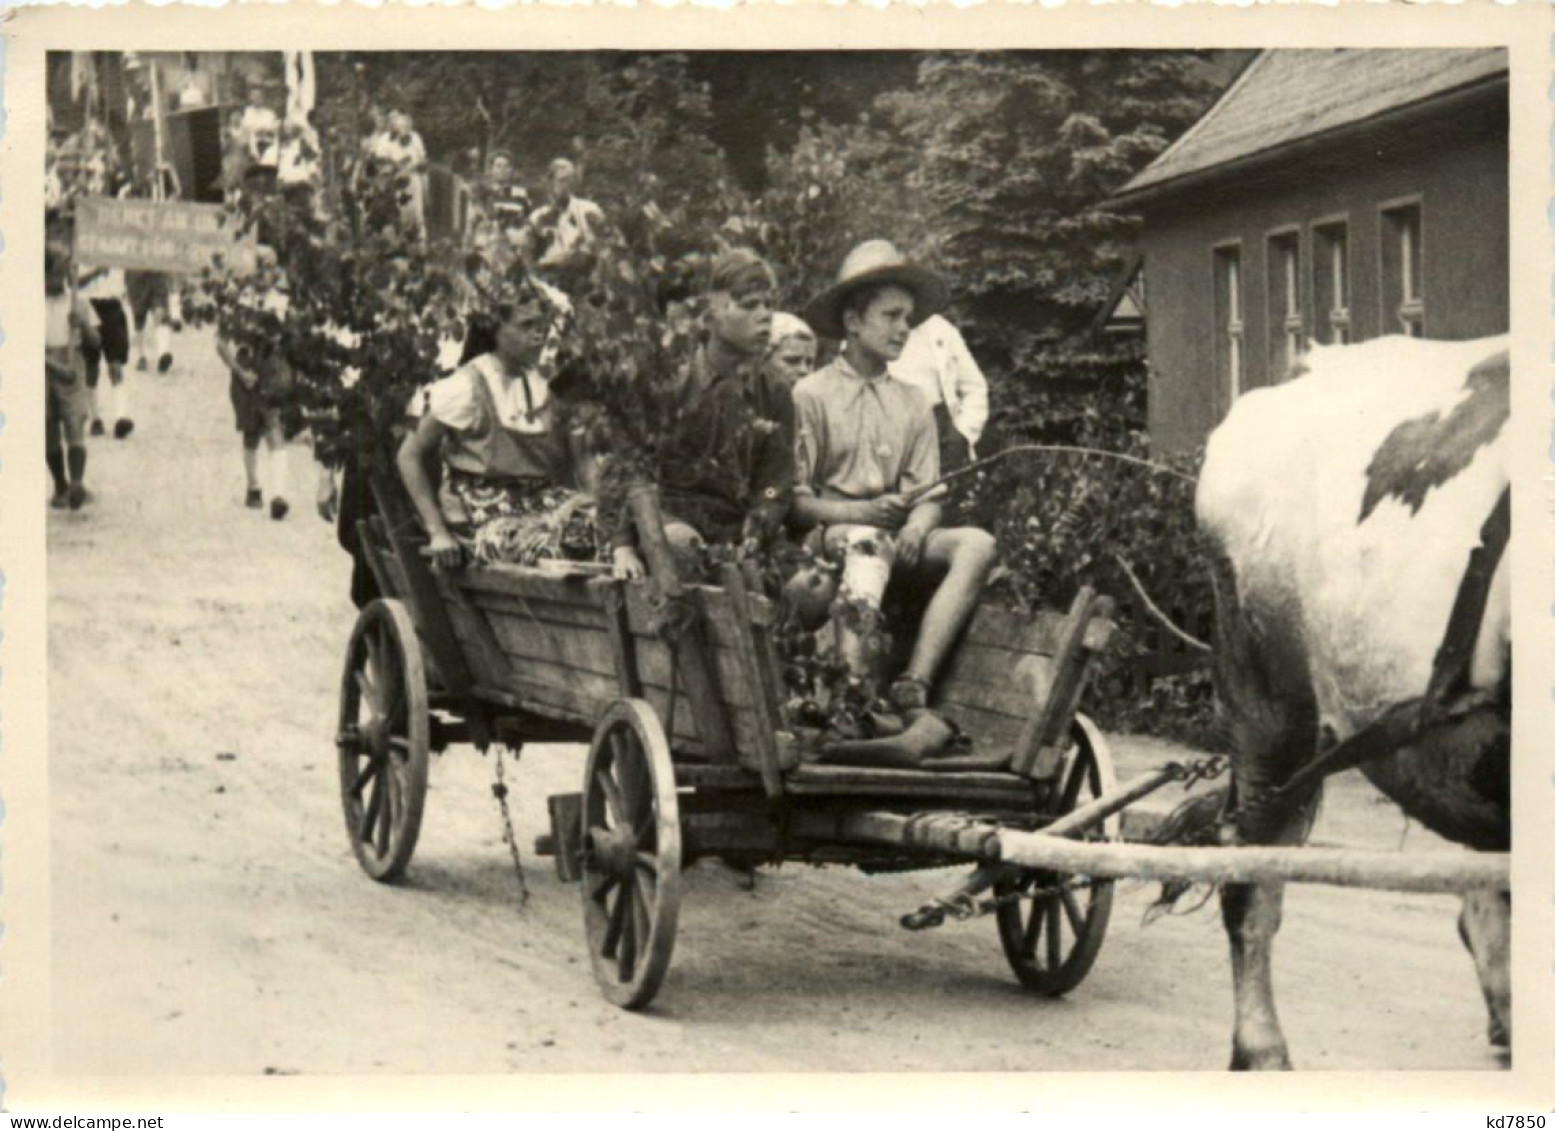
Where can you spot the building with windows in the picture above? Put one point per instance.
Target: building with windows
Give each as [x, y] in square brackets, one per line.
[1329, 196]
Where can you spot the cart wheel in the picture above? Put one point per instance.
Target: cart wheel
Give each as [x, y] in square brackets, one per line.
[383, 739]
[1052, 939]
[631, 854]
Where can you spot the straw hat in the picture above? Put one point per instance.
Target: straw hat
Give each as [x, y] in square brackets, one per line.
[876, 263]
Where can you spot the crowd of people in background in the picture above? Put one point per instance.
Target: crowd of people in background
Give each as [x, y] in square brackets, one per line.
[97, 318]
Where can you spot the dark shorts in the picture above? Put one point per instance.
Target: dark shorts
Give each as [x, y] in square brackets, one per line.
[147, 292]
[252, 410]
[114, 329]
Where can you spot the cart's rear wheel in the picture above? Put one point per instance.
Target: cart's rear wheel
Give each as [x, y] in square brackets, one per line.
[382, 740]
[631, 854]
[1052, 938]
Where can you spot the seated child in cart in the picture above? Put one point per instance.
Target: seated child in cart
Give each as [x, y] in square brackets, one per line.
[726, 473]
[866, 453]
[506, 493]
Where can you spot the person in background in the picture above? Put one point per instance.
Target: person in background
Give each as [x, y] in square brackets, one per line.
[149, 295]
[562, 234]
[500, 198]
[191, 95]
[234, 154]
[375, 139]
[300, 163]
[105, 288]
[791, 351]
[408, 155]
[260, 129]
[938, 364]
[70, 323]
[261, 383]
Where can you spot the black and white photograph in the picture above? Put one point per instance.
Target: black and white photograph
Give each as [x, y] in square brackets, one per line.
[724, 558]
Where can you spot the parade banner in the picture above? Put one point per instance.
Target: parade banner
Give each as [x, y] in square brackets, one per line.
[150, 235]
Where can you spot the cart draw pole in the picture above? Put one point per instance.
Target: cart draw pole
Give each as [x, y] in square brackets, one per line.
[1339, 867]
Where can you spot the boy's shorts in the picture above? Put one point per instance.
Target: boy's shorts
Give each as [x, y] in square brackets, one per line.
[147, 291]
[253, 414]
[68, 396]
[114, 329]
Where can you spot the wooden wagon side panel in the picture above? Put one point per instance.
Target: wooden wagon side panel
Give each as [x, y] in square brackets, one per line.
[556, 634]
[1013, 682]
[1000, 675]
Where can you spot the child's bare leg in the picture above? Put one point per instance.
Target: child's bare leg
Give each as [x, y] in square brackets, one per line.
[867, 554]
[251, 464]
[967, 555]
[120, 392]
[275, 441]
[54, 449]
[75, 458]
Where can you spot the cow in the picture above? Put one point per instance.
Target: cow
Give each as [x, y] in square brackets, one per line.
[1341, 511]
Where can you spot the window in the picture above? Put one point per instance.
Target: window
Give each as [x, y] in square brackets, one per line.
[1331, 283]
[1228, 318]
[1403, 287]
[1286, 331]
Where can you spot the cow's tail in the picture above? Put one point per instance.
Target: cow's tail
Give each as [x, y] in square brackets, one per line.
[1198, 821]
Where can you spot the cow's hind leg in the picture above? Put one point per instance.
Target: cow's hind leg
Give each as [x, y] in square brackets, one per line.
[1456, 780]
[1263, 679]
[1485, 926]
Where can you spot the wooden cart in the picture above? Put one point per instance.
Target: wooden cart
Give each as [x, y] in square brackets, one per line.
[676, 693]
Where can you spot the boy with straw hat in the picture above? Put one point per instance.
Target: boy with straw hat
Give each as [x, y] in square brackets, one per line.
[866, 446]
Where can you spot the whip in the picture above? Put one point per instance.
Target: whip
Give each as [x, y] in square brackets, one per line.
[1063, 449]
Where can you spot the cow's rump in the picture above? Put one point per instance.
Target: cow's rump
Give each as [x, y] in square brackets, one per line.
[1348, 500]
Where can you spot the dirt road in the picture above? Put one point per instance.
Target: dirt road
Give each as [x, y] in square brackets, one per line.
[209, 916]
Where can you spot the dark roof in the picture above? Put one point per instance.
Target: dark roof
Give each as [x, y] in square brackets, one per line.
[1286, 96]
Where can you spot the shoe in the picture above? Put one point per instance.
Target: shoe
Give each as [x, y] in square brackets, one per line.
[123, 427]
[278, 508]
[909, 694]
[61, 498]
[254, 499]
[164, 363]
[140, 365]
[78, 496]
[97, 428]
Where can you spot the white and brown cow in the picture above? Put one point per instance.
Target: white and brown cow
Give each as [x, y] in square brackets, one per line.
[1342, 508]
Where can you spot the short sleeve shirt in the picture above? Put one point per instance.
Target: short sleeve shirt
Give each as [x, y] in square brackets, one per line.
[454, 402]
[862, 437]
[107, 285]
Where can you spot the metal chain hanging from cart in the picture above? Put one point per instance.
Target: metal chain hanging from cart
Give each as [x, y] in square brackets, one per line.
[499, 790]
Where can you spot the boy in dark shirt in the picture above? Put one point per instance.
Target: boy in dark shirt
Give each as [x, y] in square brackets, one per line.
[726, 472]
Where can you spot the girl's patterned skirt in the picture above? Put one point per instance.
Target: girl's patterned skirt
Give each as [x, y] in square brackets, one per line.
[523, 521]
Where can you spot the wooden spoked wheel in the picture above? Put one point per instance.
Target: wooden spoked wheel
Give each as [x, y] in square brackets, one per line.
[382, 740]
[631, 854]
[1053, 931]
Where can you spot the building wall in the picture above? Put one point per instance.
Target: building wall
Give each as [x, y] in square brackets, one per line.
[1460, 178]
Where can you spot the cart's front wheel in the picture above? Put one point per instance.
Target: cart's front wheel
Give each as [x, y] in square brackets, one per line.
[1052, 923]
[382, 740]
[631, 854]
